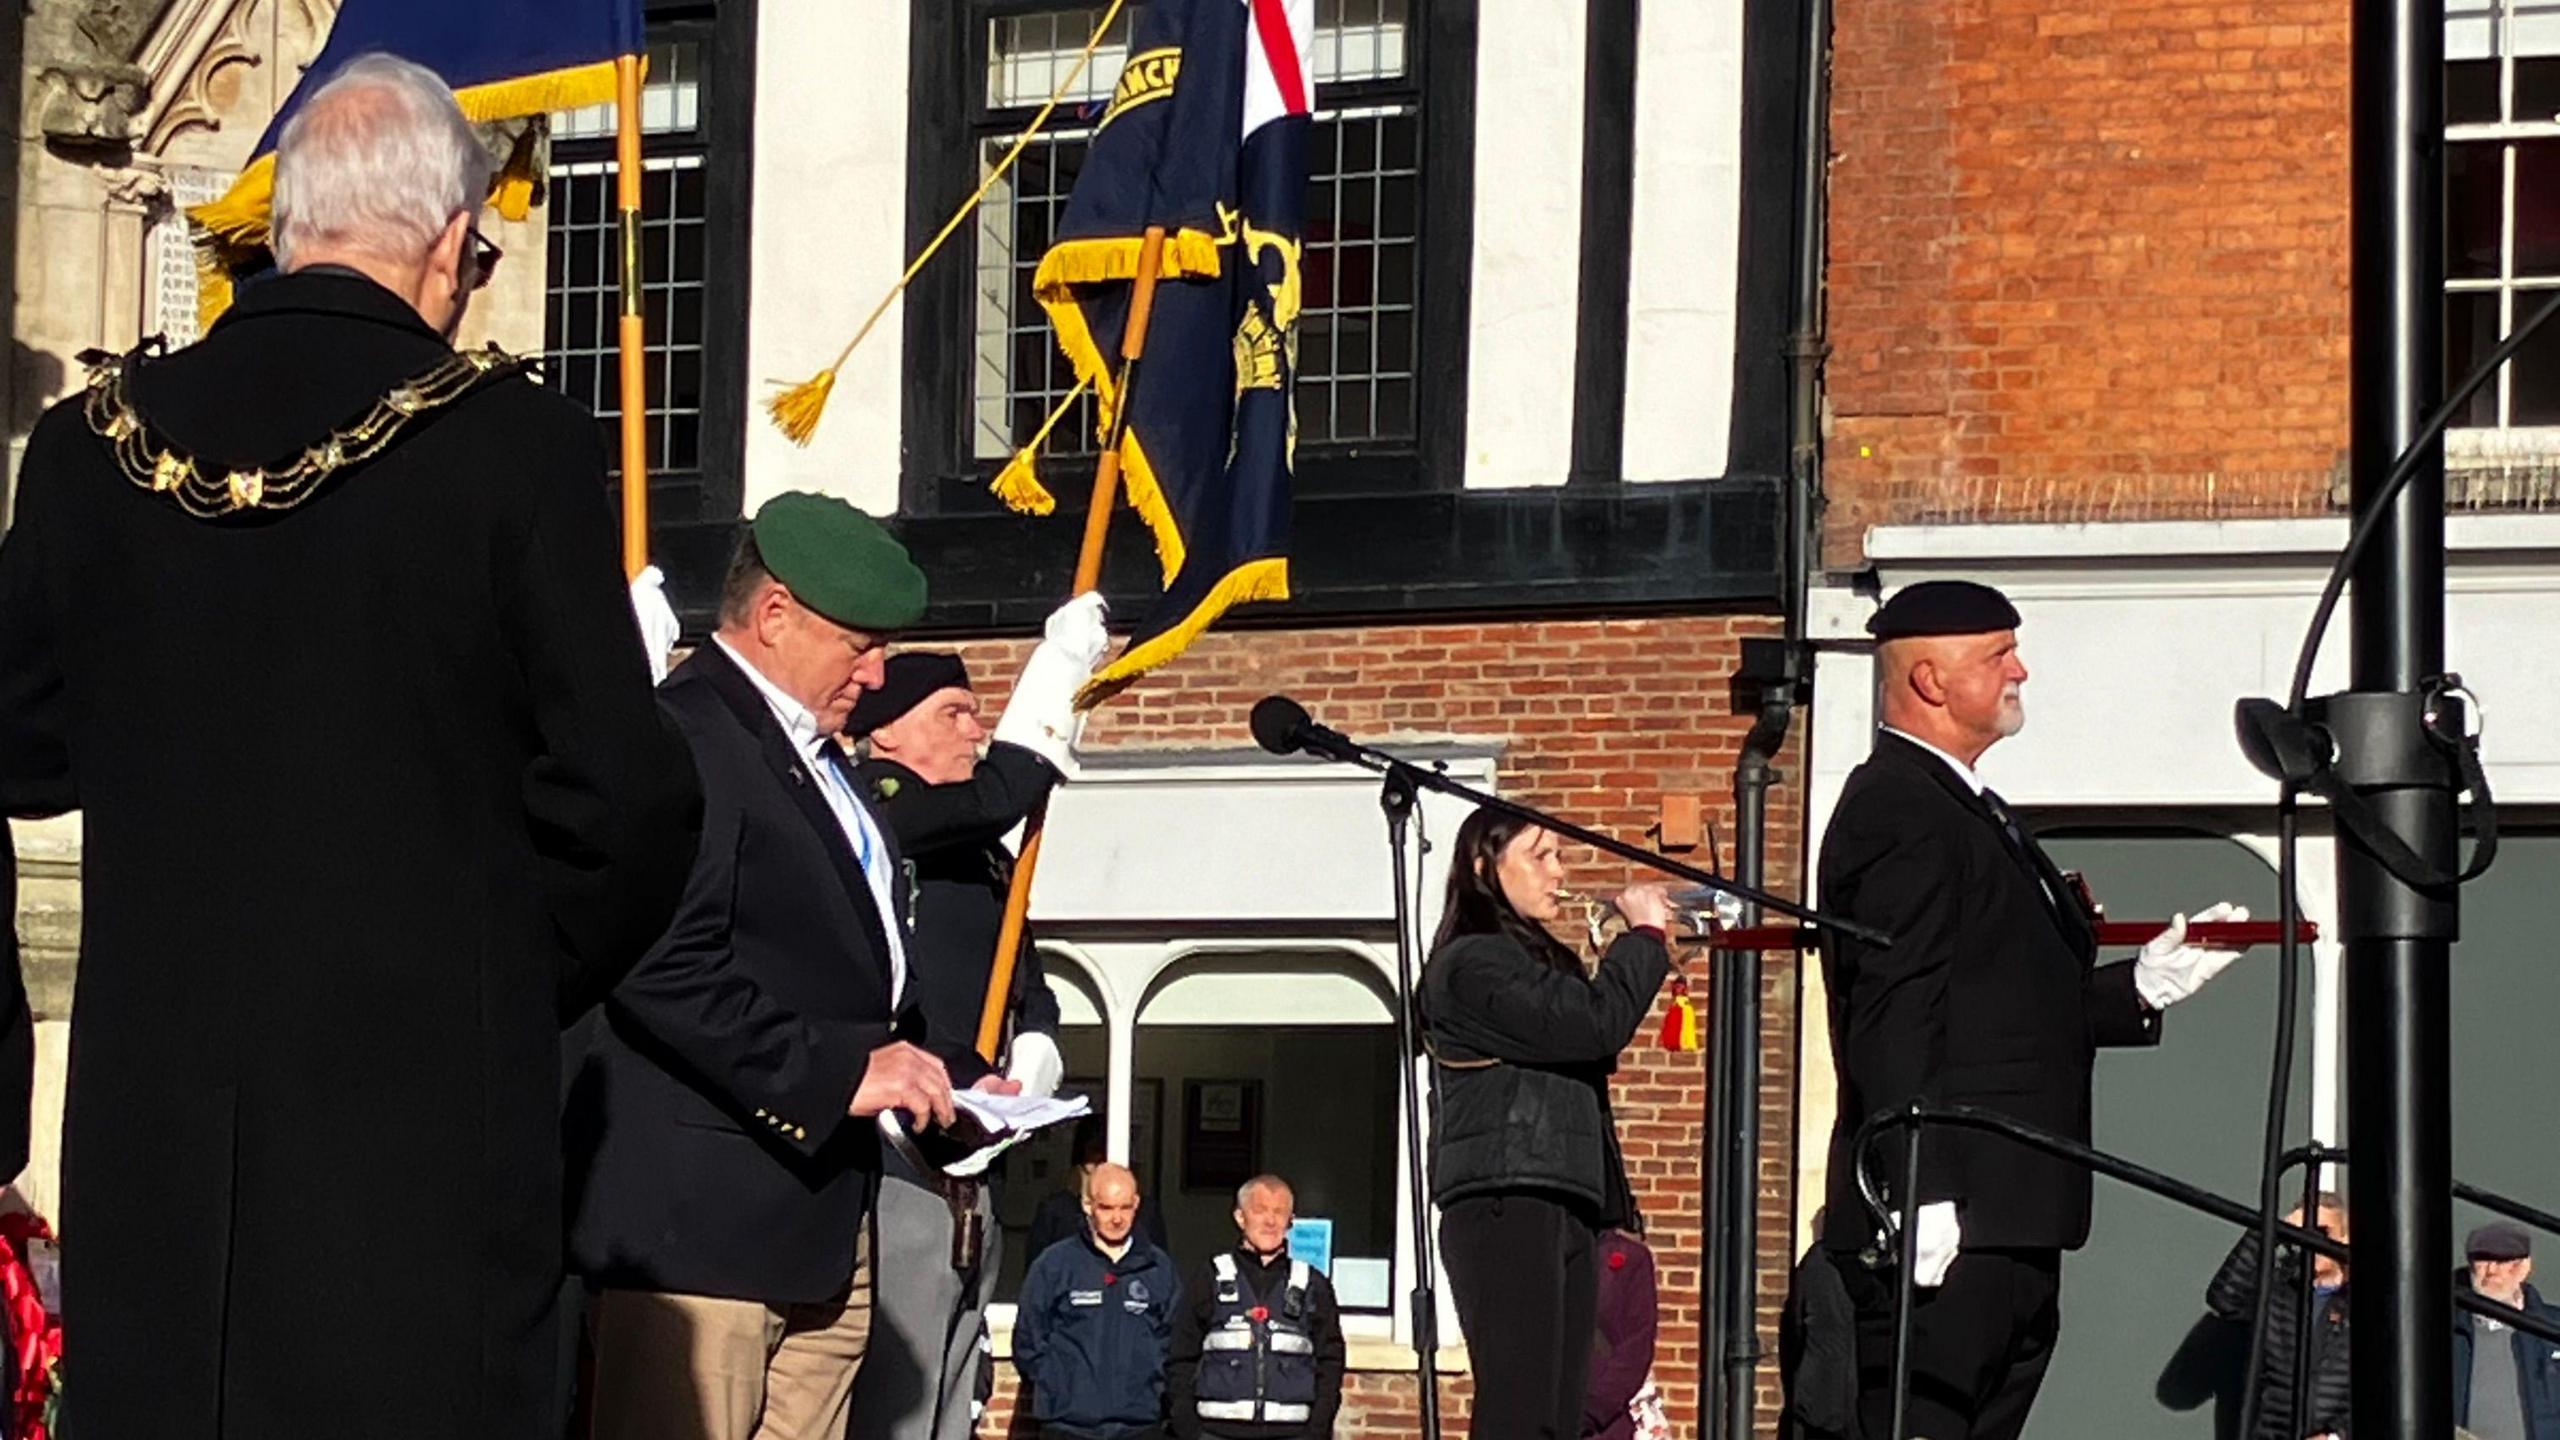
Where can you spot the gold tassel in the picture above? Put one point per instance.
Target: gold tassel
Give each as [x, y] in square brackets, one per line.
[513, 197]
[797, 409]
[1018, 484]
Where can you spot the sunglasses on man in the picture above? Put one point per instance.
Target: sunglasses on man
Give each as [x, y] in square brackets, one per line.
[485, 256]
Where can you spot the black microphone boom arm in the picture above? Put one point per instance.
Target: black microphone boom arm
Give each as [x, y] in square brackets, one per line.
[1281, 726]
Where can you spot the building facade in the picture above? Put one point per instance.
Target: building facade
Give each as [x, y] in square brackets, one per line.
[2086, 316]
[1541, 449]
[2088, 298]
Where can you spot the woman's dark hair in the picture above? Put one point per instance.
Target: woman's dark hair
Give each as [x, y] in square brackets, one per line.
[1476, 904]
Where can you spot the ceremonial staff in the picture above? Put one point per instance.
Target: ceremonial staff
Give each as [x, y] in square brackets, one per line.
[1097, 529]
[627, 71]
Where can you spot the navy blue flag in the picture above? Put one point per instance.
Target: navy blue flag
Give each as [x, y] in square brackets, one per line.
[1206, 135]
[504, 59]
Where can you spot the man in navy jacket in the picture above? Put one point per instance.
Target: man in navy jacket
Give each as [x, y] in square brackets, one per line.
[1095, 1319]
[722, 1117]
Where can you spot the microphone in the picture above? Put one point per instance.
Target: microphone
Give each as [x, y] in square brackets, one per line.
[1283, 727]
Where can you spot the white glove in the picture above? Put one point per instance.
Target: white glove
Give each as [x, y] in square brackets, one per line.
[659, 630]
[1036, 1064]
[1041, 717]
[1936, 1243]
[2169, 969]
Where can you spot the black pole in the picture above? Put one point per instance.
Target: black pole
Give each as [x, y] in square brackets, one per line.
[1396, 798]
[2398, 939]
[1906, 1287]
[1735, 1177]
[2300, 1378]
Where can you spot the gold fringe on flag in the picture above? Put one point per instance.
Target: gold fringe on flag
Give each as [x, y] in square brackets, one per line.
[1253, 580]
[231, 228]
[797, 408]
[1018, 484]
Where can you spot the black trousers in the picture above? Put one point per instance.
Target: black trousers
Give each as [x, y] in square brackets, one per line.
[1520, 1269]
[1980, 1344]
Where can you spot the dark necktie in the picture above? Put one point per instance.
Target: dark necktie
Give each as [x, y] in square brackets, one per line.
[2018, 846]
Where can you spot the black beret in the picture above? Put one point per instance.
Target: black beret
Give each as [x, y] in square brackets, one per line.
[1942, 607]
[911, 677]
[2497, 1240]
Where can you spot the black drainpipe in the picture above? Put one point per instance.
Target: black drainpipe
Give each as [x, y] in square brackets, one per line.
[1774, 677]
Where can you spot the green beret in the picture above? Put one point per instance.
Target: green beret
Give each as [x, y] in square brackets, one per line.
[839, 562]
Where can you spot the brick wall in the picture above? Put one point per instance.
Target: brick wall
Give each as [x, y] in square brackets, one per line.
[2087, 262]
[1598, 720]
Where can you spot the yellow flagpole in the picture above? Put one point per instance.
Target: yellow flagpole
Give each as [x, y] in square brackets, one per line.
[635, 384]
[1097, 529]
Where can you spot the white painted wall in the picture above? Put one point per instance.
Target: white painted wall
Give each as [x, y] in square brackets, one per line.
[829, 239]
[1234, 840]
[1684, 274]
[1525, 291]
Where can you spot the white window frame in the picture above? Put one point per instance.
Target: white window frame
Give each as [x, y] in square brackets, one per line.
[2521, 441]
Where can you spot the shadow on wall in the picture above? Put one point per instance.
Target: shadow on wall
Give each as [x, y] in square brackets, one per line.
[2206, 1368]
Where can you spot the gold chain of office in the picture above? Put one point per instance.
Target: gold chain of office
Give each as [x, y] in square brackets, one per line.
[209, 496]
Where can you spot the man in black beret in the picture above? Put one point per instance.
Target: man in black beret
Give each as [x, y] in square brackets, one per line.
[949, 808]
[720, 1117]
[1990, 995]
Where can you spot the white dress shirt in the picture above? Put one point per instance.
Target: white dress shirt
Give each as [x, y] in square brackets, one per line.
[1963, 771]
[835, 782]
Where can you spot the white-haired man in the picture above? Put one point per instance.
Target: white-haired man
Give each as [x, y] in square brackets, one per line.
[320, 625]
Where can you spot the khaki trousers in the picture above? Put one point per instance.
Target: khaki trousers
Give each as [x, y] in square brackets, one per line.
[693, 1367]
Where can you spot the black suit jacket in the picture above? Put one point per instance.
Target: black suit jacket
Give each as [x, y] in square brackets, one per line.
[1990, 995]
[710, 1147]
[959, 871]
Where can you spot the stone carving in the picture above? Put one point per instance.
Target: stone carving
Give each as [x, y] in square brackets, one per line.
[88, 85]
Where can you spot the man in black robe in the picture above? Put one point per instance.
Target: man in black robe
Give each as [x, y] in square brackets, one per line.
[321, 627]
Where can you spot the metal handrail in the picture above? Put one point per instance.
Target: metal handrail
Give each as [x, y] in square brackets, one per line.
[1916, 1116]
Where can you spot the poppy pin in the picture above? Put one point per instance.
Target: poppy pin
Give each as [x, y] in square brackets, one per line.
[1260, 1313]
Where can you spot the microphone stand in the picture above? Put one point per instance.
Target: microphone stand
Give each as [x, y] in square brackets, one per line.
[1396, 798]
[1415, 778]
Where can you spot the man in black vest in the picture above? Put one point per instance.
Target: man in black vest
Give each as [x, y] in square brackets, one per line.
[1257, 1348]
[319, 624]
[949, 809]
[1990, 995]
[722, 1122]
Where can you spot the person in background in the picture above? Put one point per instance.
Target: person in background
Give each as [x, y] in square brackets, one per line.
[1091, 1331]
[2233, 1296]
[1622, 1347]
[1525, 1164]
[1061, 1213]
[1257, 1347]
[2506, 1383]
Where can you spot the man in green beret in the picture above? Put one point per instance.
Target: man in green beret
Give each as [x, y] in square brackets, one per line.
[721, 1112]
